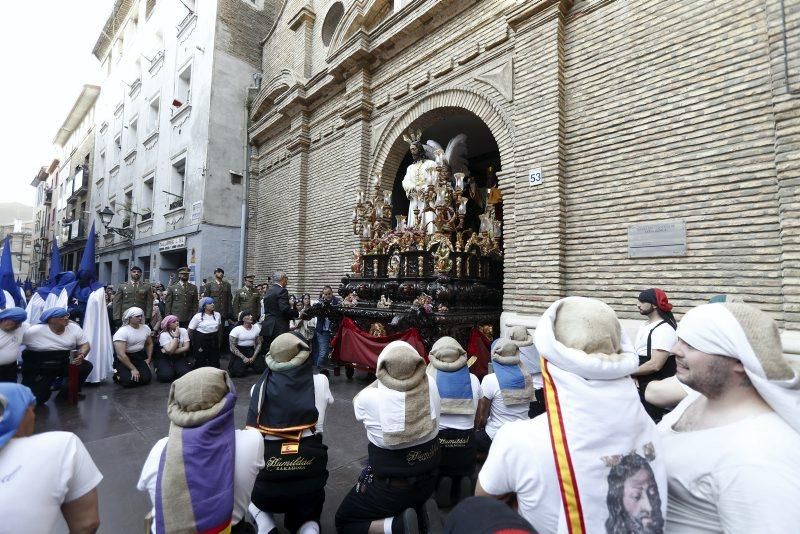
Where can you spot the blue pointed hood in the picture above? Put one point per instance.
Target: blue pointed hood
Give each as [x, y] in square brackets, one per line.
[7, 279]
[87, 273]
[55, 261]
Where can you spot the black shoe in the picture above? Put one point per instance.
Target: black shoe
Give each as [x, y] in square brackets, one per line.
[464, 488]
[444, 488]
[325, 372]
[349, 371]
[406, 523]
[432, 519]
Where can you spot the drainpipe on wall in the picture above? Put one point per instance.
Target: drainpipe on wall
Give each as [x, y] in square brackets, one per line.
[250, 93]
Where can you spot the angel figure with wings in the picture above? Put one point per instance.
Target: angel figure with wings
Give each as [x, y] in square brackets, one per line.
[426, 158]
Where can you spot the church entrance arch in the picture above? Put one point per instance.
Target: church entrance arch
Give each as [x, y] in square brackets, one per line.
[441, 125]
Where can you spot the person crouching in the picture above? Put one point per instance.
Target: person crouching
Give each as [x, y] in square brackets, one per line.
[287, 406]
[460, 392]
[204, 334]
[133, 347]
[400, 412]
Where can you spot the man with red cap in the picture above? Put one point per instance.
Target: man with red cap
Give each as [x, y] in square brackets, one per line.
[654, 342]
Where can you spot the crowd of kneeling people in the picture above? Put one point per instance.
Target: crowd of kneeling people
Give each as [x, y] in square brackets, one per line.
[557, 433]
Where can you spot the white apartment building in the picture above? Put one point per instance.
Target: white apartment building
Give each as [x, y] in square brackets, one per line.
[170, 144]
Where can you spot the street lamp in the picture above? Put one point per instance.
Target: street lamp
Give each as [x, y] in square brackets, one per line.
[106, 216]
[37, 248]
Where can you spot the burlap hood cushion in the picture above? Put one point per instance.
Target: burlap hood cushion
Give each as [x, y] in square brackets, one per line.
[505, 351]
[401, 368]
[447, 355]
[198, 396]
[520, 336]
[583, 336]
[287, 351]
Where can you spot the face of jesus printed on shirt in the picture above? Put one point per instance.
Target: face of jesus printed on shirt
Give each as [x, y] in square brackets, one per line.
[634, 504]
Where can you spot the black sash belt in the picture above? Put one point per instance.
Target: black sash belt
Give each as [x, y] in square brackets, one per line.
[54, 360]
[417, 461]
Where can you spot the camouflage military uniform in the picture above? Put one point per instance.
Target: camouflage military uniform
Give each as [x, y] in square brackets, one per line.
[131, 294]
[181, 300]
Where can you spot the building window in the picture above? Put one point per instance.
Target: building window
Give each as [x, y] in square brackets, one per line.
[331, 21]
[147, 197]
[133, 138]
[152, 114]
[183, 87]
[178, 183]
[117, 146]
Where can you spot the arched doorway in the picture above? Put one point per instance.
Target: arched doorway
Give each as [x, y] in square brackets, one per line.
[483, 156]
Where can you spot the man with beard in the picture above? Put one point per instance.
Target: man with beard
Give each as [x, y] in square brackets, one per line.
[181, 299]
[133, 294]
[732, 446]
[634, 505]
[653, 344]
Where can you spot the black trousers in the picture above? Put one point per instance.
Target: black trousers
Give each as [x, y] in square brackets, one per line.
[237, 368]
[39, 373]
[206, 350]
[379, 498]
[169, 368]
[8, 372]
[297, 510]
[123, 375]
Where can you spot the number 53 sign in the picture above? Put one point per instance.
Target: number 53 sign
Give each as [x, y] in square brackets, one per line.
[535, 177]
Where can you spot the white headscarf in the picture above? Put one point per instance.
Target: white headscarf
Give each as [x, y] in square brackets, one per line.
[744, 332]
[130, 312]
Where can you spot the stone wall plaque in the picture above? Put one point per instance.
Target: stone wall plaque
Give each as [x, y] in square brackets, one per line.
[657, 240]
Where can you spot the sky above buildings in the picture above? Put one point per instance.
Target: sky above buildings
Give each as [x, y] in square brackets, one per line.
[46, 51]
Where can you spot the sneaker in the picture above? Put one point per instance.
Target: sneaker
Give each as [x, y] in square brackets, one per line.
[444, 488]
[406, 523]
[431, 517]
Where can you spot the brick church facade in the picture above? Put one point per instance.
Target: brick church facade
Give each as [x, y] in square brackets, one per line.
[634, 111]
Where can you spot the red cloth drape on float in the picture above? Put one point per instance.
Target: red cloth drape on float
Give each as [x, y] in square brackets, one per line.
[354, 345]
[479, 345]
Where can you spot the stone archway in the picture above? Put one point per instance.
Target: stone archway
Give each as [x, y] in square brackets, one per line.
[390, 147]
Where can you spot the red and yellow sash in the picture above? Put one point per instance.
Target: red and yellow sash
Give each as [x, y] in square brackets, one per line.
[570, 497]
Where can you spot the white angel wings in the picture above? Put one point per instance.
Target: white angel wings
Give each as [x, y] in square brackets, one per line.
[455, 156]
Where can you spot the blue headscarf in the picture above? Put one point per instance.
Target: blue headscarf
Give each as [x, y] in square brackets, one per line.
[15, 399]
[203, 302]
[15, 314]
[51, 313]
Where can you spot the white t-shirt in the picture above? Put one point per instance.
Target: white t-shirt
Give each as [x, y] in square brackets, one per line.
[322, 398]
[664, 337]
[372, 405]
[9, 344]
[134, 337]
[521, 461]
[245, 337]
[40, 337]
[529, 356]
[742, 477]
[204, 324]
[164, 338]
[248, 462]
[463, 421]
[499, 413]
[40, 473]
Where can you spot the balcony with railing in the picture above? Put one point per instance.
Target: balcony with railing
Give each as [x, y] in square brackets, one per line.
[80, 185]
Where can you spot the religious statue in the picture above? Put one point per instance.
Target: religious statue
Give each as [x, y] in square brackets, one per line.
[377, 330]
[393, 267]
[356, 265]
[418, 175]
[385, 302]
